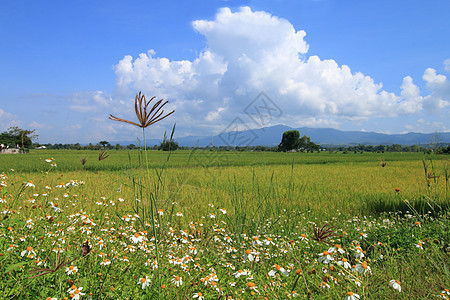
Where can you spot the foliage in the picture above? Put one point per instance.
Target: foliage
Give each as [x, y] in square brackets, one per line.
[105, 144]
[168, 145]
[290, 141]
[250, 237]
[17, 136]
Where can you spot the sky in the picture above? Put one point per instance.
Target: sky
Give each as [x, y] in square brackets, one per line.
[379, 66]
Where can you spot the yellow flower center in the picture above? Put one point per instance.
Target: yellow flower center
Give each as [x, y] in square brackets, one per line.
[250, 284]
[29, 248]
[325, 253]
[248, 251]
[349, 293]
[177, 278]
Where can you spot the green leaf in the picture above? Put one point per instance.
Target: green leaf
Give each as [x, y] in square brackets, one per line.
[15, 266]
[446, 271]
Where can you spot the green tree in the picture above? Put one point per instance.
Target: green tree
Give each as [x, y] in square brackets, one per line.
[104, 144]
[168, 145]
[18, 136]
[290, 141]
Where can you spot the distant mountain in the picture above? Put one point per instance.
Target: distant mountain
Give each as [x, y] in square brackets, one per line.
[271, 136]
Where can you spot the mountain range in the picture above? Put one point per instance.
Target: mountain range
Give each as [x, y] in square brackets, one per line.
[271, 136]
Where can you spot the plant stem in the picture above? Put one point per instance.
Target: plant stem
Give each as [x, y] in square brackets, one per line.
[153, 201]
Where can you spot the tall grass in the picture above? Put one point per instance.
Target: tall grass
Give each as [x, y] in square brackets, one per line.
[386, 211]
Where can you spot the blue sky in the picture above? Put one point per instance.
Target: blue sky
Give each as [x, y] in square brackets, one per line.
[352, 65]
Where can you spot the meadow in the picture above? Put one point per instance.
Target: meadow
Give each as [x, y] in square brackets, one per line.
[224, 225]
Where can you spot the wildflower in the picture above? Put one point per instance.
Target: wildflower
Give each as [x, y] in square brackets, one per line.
[445, 294]
[30, 184]
[417, 223]
[160, 212]
[249, 255]
[252, 286]
[75, 293]
[419, 245]
[146, 118]
[363, 268]
[359, 252]
[338, 248]
[397, 190]
[179, 214]
[324, 285]
[145, 281]
[198, 295]
[29, 252]
[71, 270]
[105, 262]
[223, 210]
[395, 284]
[240, 273]
[137, 238]
[177, 280]
[344, 263]
[351, 296]
[326, 257]
[278, 268]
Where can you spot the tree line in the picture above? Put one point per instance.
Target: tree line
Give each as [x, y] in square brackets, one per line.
[16, 137]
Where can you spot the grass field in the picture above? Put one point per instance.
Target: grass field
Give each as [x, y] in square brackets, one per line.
[224, 225]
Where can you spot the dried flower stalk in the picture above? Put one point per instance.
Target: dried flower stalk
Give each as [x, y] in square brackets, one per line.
[146, 117]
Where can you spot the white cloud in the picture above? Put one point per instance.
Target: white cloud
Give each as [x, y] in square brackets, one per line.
[422, 125]
[248, 52]
[447, 65]
[439, 87]
[36, 125]
[8, 120]
[89, 101]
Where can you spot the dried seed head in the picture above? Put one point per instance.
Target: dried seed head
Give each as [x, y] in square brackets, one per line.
[103, 155]
[85, 249]
[146, 117]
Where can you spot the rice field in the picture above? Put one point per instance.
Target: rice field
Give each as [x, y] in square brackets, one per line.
[224, 225]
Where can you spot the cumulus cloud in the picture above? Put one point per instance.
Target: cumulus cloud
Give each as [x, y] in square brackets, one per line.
[37, 125]
[248, 52]
[7, 120]
[447, 65]
[439, 87]
[89, 101]
[422, 125]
